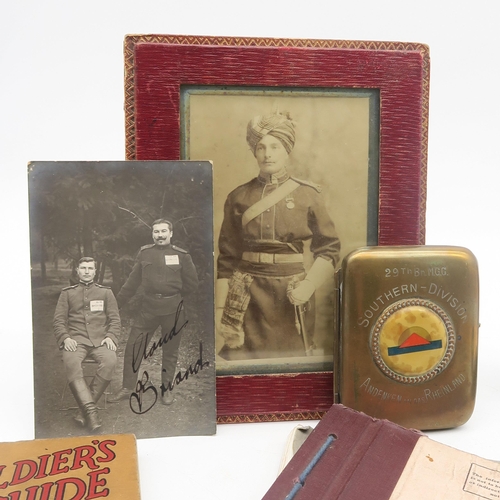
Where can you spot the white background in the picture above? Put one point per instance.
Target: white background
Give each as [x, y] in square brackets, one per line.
[62, 99]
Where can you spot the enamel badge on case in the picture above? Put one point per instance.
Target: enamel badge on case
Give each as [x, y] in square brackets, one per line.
[408, 334]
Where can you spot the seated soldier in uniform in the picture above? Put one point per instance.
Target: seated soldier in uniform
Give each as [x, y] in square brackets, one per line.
[87, 324]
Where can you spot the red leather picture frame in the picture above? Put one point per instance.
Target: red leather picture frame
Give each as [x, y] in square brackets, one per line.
[156, 66]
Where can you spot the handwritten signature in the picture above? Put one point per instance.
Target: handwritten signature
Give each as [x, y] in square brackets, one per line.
[136, 400]
[140, 404]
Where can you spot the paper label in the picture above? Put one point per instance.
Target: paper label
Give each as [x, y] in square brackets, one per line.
[96, 305]
[437, 471]
[171, 260]
[483, 482]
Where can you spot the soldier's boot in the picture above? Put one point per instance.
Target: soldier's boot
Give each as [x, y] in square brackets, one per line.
[79, 418]
[122, 394]
[83, 397]
[167, 393]
[167, 398]
[97, 388]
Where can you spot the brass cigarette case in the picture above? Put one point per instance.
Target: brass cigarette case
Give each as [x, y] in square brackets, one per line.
[409, 334]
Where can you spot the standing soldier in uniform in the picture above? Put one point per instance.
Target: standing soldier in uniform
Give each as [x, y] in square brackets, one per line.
[262, 286]
[167, 274]
[87, 324]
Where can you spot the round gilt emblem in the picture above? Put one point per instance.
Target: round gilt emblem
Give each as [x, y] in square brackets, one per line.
[412, 341]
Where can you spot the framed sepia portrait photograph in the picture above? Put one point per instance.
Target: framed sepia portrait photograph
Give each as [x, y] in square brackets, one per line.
[331, 210]
[318, 148]
[122, 288]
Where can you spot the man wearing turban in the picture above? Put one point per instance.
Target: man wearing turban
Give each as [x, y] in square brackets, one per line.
[276, 125]
[260, 269]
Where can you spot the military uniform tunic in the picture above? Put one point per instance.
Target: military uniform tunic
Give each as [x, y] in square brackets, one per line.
[167, 274]
[87, 313]
[269, 323]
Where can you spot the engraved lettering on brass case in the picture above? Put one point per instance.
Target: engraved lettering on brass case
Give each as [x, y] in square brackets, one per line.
[424, 396]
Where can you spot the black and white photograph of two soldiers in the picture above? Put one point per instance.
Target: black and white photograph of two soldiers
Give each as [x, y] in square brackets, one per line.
[122, 298]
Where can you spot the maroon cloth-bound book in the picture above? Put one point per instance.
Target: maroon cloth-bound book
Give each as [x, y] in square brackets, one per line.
[351, 456]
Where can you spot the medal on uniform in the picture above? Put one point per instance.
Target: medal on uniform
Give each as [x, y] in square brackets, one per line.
[289, 203]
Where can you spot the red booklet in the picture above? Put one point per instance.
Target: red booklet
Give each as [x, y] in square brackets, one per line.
[351, 456]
